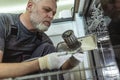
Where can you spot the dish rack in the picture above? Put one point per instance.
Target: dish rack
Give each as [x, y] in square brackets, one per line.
[99, 63]
[76, 74]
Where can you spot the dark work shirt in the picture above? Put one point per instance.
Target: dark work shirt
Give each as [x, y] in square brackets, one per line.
[19, 40]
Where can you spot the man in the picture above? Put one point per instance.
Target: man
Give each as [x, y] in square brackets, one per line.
[112, 9]
[22, 37]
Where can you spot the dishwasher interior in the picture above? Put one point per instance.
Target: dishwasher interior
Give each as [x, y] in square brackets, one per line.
[99, 62]
[99, 57]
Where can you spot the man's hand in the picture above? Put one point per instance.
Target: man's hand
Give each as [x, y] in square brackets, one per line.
[59, 60]
[73, 61]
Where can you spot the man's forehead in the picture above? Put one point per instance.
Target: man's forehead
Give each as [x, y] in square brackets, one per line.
[51, 2]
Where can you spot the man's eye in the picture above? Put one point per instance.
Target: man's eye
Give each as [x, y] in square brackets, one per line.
[47, 10]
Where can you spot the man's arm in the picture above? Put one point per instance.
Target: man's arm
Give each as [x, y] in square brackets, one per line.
[1, 55]
[17, 69]
[47, 62]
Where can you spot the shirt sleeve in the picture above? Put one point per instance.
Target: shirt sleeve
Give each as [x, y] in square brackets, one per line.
[2, 33]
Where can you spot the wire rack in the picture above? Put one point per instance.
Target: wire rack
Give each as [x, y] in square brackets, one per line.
[98, 64]
[76, 74]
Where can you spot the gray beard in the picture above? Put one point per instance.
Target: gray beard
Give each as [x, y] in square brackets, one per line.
[42, 27]
[38, 26]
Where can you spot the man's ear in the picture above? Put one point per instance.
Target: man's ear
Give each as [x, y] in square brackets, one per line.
[29, 6]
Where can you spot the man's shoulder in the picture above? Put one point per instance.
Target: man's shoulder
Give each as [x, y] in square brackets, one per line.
[3, 17]
[7, 14]
[7, 17]
[6, 20]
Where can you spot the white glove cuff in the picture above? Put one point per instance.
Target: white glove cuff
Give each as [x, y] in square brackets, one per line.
[43, 63]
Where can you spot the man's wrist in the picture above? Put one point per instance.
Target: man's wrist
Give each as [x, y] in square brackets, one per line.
[43, 64]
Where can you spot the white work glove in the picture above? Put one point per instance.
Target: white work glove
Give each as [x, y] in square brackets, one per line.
[57, 60]
[69, 61]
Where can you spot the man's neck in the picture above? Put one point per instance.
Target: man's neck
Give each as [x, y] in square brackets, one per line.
[25, 20]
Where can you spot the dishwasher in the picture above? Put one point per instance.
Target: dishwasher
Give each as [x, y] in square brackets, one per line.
[99, 55]
[99, 62]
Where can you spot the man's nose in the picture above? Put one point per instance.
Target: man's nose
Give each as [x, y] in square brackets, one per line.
[51, 15]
